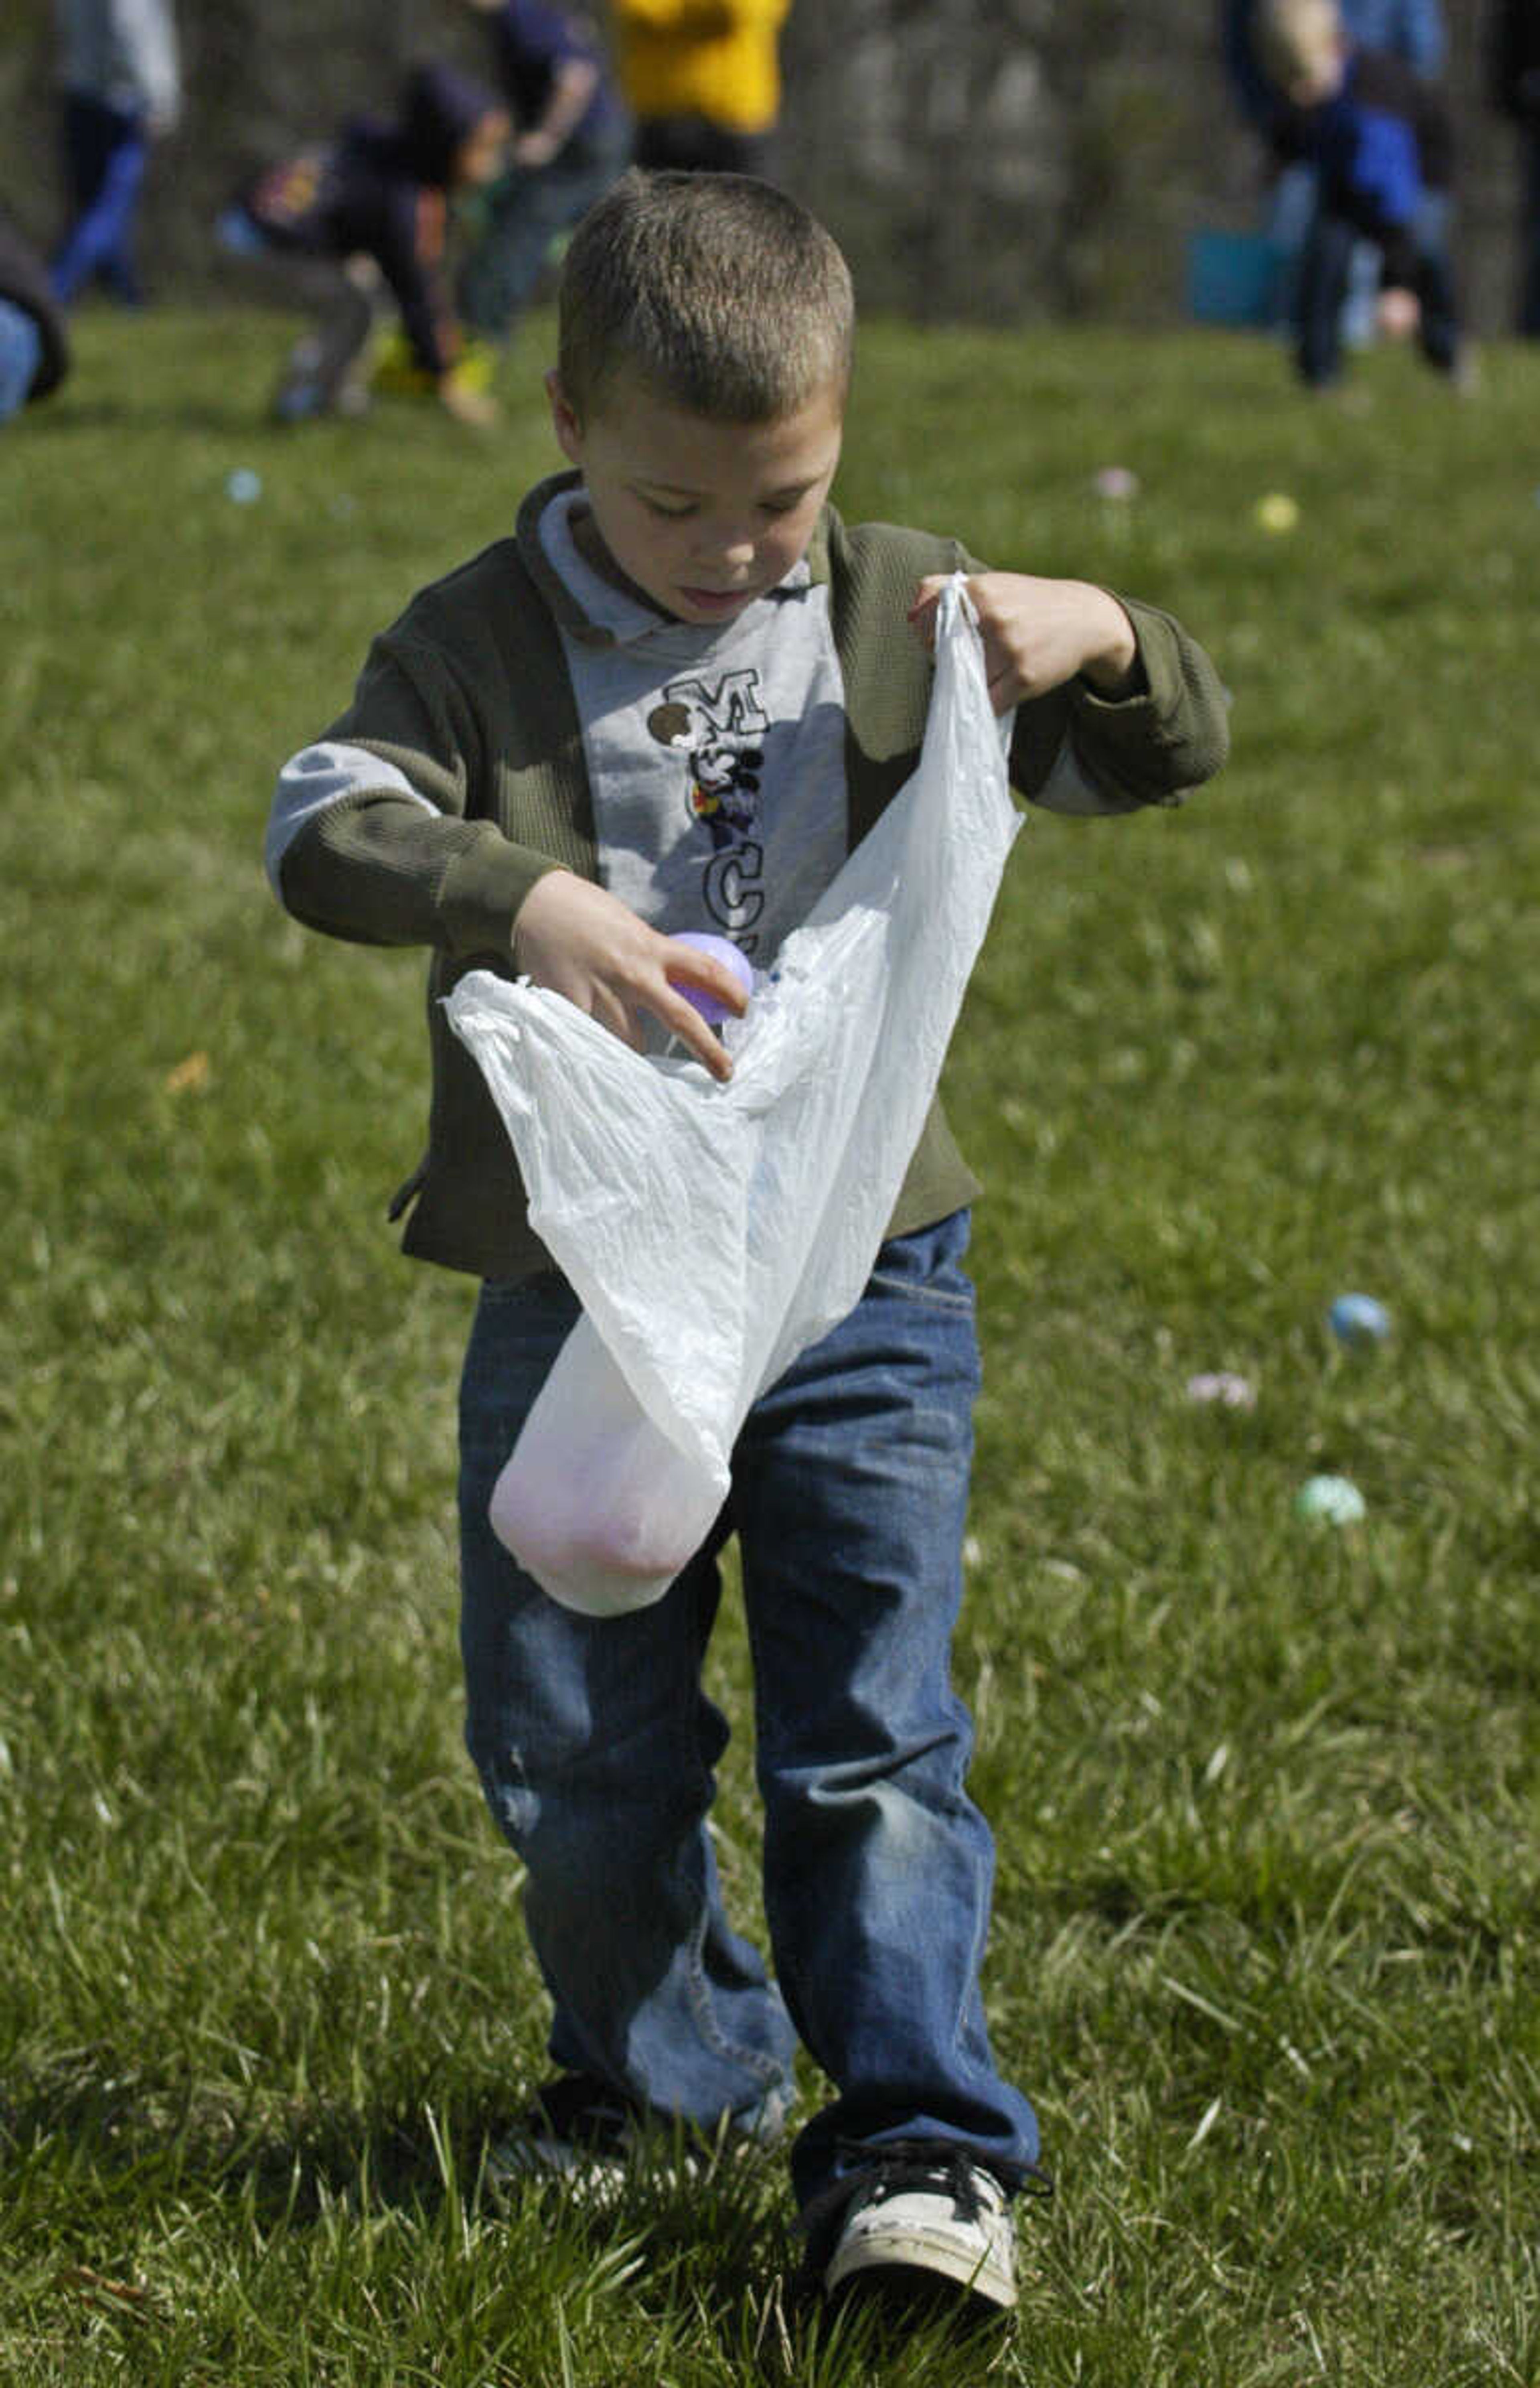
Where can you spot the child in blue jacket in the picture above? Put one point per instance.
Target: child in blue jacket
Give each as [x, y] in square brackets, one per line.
[1380, 139]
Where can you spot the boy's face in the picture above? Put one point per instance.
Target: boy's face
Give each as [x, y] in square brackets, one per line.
[700, 516]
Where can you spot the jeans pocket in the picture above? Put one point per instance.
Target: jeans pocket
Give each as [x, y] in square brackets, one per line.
[926, 1266]
[535, 1292]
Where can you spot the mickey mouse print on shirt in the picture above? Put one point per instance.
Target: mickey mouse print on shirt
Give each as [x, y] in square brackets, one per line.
[718, 727]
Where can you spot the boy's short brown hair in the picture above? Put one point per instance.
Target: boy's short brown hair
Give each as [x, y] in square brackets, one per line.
[724, 295]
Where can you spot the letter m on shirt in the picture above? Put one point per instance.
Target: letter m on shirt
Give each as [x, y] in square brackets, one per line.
[729, 707]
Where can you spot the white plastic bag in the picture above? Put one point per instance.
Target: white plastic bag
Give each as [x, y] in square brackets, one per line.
[713, 1232]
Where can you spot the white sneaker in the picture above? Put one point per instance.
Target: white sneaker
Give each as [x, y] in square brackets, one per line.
[928, 2208]
[597, 2142]
[578, 2131]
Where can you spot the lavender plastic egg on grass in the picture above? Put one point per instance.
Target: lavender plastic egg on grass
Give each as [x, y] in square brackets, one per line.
[721, 949]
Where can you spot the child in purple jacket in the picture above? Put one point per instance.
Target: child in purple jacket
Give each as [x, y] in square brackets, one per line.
[368, 214]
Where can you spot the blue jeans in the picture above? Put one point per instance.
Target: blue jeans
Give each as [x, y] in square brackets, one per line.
[1325, 278]
[699, 144]
[1291, 214]
[596, 1745]
[20, 354]
[1527, 316]
[524, 213]
[345, 306]
[107, 151]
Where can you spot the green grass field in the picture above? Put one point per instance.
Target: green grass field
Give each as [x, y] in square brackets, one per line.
[1268, 1936]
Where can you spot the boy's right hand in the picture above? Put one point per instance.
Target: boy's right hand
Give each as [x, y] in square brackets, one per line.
[585, 943]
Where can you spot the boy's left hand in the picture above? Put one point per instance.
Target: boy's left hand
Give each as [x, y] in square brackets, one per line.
[1038, 633]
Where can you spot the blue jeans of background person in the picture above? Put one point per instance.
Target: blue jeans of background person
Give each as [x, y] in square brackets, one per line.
[20, 354]
[1290, 216]
[522, 216]
[596, 1745]
[107, 150]
[1324, 280]
[346, 297]
[1528, 314]
[698, 144]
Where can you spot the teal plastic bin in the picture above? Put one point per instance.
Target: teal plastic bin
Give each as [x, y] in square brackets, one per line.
[1233, 277]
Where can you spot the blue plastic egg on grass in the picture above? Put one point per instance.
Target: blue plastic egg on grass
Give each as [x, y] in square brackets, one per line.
[1359, 1319]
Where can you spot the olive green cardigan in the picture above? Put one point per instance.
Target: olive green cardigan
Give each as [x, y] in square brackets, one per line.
[468, 695]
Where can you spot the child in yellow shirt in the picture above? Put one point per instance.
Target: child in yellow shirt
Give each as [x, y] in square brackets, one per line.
[702, 80]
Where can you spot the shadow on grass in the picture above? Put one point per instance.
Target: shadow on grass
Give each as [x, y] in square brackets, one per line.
[112, 2122]
[117, 2124]
[129, 413]
[717, 2246]
[731, 2257]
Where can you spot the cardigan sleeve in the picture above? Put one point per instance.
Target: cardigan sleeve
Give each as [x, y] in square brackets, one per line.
[401, 848]
[1074, 751]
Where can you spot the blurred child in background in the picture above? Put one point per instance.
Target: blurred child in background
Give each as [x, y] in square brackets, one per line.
[571, 139]
[122, 90]
[1412, 31]
[366, 215]
[1515, 72]
[1380, 139]
[702, 80]
[34, 353]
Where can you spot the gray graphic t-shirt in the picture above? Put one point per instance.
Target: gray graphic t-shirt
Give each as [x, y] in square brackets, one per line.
[716, 755]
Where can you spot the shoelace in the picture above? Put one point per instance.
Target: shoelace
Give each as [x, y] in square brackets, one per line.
[890, 2167]
[906, 2164]
[881, 2172]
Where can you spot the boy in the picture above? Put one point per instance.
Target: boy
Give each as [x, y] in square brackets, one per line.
[1379, 137]
[513, 784]
[371, 208]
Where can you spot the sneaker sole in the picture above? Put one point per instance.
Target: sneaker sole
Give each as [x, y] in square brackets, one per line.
[587, 2173]
[914, 2252]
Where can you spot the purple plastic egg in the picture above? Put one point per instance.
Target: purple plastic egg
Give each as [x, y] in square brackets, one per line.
[722, 949]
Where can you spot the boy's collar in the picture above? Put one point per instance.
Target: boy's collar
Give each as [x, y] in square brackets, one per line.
[569, 614]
